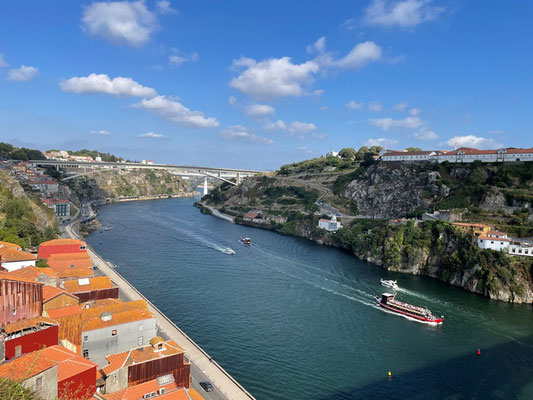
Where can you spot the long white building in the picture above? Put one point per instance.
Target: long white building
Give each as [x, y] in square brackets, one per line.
[461, 155]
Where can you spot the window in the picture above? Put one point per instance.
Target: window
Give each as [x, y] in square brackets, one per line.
[39, 383]
[82, 247]
[18, 350]
[85, 339]
[140, 341]
[114, 332]
[86, 353]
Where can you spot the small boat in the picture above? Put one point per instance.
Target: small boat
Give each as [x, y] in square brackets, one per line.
[229, 250]
[107, 229]
[388, 302]
[246, 240]
[390, 284]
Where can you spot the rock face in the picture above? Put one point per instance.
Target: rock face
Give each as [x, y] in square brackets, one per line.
[387, 191]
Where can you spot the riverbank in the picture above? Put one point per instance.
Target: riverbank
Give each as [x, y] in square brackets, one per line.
[153, 197]
[204, 364]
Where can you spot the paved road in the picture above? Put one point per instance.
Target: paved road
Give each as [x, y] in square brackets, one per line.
[203, 367]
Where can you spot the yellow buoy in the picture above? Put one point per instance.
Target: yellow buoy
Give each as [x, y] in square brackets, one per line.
[390, 374]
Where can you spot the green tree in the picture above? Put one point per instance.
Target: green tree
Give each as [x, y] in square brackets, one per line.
[348, 153]
[413, 149]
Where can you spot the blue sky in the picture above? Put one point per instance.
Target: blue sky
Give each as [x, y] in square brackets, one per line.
[259, 84]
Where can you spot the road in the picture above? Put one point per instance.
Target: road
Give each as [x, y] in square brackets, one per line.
[203, 366]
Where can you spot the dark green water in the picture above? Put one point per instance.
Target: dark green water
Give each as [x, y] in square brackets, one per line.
[290, 319]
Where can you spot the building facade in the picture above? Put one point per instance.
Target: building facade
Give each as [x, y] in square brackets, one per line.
[461, 155]
[61, 246]
[330, 225]
[19, 299]
[494, 240]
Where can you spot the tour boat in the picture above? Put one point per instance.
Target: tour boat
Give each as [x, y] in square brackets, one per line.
[246, 240]
[419, 313]
[389, 284]
[228, 250]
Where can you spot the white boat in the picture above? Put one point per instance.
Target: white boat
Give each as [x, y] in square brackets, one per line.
[389, 284]
[228, 250]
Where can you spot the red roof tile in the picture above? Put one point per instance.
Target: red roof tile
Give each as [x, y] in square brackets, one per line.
[10, 254]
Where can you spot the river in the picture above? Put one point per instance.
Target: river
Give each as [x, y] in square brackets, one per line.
[290, 319]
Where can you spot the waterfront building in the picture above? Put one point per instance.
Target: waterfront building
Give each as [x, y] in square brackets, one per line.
[71, 265]
[55, 373]
[145, 363]
[494, 240]
[115, 328]
[20, 298]
[468, 228]
[158, 389]
[61, 246]
[96, 288]
[330, 225]
[253, 216]
[13, 259]
[42, 275]
[54, 297]
[26, 336]
[60, 207]
[517, 248]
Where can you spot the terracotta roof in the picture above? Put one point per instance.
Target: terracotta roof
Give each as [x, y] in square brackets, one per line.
[88, 284]
[136, 392]
[251, 214]
[64, 311]
[497, 233]
[9, 277]
[50, 292]
[75, 273]
[101, 303]
[32, 272]
[122, 313]
[69, 256]
[62, 242]
[10, 254]
[470, 225]
[25, 366]
[69, 363]
[494, 239]
[15, 246]
[141, 354]
[518, 151]
[27, 324]
[65, 261]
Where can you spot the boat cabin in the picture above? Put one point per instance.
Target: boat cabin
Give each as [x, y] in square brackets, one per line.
[385, 297]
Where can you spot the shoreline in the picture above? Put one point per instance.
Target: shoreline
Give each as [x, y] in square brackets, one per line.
[225, 384]
[152, 197]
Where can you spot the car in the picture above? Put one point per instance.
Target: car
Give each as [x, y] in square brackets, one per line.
[95, 268]
[206, 385]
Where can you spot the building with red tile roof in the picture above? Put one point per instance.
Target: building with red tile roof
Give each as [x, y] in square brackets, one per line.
[96, 288]
[157, 388]
[462, 155]
[26, 336]
[145, 363]
[43, 275]
[15, 246]
[13, 259]
[61, 246]
[54, 297]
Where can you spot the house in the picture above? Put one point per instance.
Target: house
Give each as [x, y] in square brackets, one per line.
[494, 240]
[54, 297]
[42, 275]
[13, 259]
[61, 246]
[461, 155]
[253, 215]
[71, 265]
[26, 336]
[330, 225]
[162, 388]
[96, 288]
[38, 374]
[54, 372]
[60, 207]
[332, 153]
[467, 228]
[517, 248]
[115, 328]
[146, 363]
[403, 155]
[20, 298]
[69, 320]
[49, 186]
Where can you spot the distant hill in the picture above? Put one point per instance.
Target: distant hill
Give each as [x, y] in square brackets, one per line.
[10, 152]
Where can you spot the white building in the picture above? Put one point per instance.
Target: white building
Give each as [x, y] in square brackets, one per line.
[330, 225]
[494, 240]
[408, 155]
[520, 249]
[332, 153]
[461, 155]
[13, 258]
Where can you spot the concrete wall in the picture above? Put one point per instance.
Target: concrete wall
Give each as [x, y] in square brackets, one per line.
[118, 380]
[63, 300]
[48, 390]
[101, 342]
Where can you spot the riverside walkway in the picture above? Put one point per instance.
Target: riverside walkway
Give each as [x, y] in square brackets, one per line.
[200, 361]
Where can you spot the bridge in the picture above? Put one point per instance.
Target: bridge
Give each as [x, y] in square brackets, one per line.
[232, 176]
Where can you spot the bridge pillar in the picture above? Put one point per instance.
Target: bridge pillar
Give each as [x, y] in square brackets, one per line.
[205, 186]
[238, 178]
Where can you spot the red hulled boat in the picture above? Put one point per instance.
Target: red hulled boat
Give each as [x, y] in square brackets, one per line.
[388, 301]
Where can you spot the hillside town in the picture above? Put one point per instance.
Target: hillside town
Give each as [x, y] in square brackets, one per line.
[67, 332]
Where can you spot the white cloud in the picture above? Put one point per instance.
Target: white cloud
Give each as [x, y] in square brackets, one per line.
[301, 127]
[360, 55]
[474, 141]
[3, 62]
[319, 46]
[22, 74]
[404, 13]
[175, 60]
[496, 132]
[375, 106]
[350, 24]
[304, 149]
[102, 84]
[316, 135]
[274, 77]
[120, 22]
[102, 133]
[177, 112]
[414, 111]
[352, 105]
[152, 135]
[402, 105]
[381, 142]
[387, 123]
[425, 134]
[241, 132]
[164, 7]
[232, 100]
[278, 125]
[259, 110]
